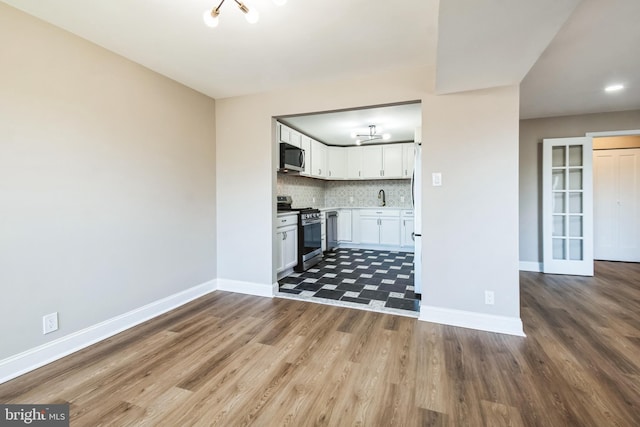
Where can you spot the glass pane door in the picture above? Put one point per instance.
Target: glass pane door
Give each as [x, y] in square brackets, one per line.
[567, 206]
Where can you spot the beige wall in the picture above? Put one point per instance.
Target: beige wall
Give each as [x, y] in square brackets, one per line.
[107, 183]
[467, 220]
[532, 132]
[470, 223]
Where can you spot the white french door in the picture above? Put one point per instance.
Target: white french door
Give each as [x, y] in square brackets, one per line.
[617, 204]
[567, 206]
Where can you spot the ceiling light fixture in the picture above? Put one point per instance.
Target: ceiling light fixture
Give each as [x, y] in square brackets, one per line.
[371, 136]
[211, 17]
[614, 88]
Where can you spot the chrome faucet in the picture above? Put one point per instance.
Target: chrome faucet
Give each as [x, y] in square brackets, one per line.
[381, 196]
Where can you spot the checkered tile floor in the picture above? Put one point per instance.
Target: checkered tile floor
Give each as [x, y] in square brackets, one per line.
[355, 277]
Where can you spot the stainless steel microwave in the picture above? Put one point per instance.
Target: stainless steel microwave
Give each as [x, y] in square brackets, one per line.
[291, 157]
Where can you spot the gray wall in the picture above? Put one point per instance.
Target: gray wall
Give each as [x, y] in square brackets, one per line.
[107, 183]
[532, 132]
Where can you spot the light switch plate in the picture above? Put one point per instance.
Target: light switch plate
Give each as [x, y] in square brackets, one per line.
[436, 179]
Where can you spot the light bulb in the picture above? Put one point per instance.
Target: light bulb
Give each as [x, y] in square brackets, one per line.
[386, 136]
[209, 19]
[358, 142]
[614, 88]
[279, 2]
[252, 16]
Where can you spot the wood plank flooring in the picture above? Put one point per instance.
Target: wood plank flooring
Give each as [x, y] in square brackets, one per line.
[231, 360]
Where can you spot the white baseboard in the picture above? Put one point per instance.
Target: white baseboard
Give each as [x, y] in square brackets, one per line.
[472, 320]
[349, 245]
[36, 357]
[249, 288]
[531, 266]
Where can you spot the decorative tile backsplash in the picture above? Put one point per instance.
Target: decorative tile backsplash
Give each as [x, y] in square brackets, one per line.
[305, 190]
[365, 193]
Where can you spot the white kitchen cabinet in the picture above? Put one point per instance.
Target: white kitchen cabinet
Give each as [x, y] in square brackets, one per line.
[392, 161]
[380, 227]
[318, 159]
[336, 163]
[344, 225]
[408, 160]
[305, 144]
[372, 162]
[369, 230]
[287, 238]
[354, 162]
[406, 229]
[389, 231]
[288, 135]
[382, 161]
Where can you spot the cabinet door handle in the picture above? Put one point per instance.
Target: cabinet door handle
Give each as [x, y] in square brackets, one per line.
[329, 173]
[404, 222]
[284, 236]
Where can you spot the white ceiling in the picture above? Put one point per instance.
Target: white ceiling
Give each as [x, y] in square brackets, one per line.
[480, 43]
[599, 45]
[335, 128]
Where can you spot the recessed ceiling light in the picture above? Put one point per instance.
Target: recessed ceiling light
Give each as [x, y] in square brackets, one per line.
[614, 88]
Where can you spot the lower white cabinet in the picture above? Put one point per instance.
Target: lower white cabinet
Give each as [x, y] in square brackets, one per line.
[406, 229]
[380, 227]
[287, 238]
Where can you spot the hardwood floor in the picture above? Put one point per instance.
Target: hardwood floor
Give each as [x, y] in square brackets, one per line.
[230, 360]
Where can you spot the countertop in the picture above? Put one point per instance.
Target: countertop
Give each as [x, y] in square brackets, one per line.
[402, 208]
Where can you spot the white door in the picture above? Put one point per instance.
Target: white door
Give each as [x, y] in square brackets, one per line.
[567, 206]
[616, 196]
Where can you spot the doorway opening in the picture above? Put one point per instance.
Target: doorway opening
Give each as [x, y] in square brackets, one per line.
[353, 170]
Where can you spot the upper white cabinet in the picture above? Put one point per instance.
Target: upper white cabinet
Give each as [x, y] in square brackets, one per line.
[382, 161]
[288, 135]
[392, 161]
[318, 159]
[354, 162]
[336, 163]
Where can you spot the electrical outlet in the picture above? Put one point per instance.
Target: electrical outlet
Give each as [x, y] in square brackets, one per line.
[489, 297]
[314, 199]
[50, 323]
[350, 199]
[401, 199]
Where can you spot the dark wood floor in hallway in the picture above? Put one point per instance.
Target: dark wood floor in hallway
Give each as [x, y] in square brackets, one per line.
[228, 359]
